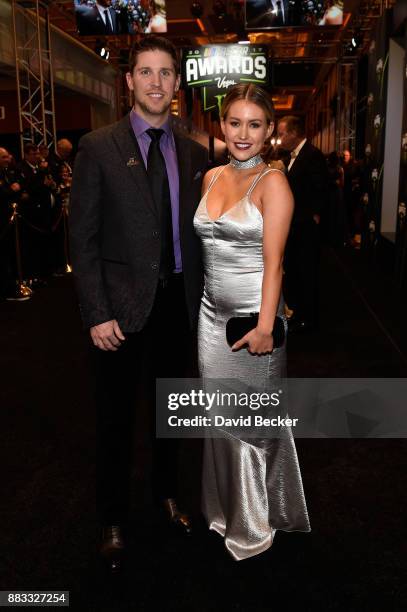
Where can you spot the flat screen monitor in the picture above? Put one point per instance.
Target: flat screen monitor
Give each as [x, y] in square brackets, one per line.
[114, 17]
[270, 14]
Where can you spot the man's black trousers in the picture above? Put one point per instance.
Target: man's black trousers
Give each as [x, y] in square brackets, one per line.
[161, 350]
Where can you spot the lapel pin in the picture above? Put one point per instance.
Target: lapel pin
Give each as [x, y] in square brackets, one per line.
[132, 162]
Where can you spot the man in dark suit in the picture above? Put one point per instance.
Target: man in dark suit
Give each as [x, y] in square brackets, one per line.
[308, 178]
[61, 158]
[10, 191]
[98, 19]
[268, 13]
[37, 198]
[138, 271]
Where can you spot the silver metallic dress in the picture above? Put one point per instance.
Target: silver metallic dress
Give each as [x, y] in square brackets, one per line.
[251, 487]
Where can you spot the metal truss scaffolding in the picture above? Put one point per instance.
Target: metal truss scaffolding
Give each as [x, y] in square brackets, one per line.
[35, 87]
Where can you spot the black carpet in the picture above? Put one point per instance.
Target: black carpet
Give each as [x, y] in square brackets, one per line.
[354, 558]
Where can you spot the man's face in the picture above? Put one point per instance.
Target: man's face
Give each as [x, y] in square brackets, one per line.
[32, 157]
[346, 157]
[289, 140]
[104, 3]
[4, 158]
[44, 152]
[64, 149]
[153, 82]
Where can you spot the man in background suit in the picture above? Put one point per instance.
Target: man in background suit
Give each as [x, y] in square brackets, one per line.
[308, 178]
[10, 191]
[61, 158]
[138, 271]
[98, 19]
[268, 13]
[37, 197]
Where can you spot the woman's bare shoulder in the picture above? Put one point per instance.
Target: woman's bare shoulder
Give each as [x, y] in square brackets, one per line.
[275, 190]
[210, 174]
[275, 176]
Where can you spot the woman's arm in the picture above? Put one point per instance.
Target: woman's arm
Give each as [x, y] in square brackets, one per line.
[278, 206]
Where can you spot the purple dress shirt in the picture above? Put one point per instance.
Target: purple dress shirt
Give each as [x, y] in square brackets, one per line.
[167, 146]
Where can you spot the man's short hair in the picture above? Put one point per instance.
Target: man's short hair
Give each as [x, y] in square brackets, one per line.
[153, 43]
[30, 148]
[294, 124]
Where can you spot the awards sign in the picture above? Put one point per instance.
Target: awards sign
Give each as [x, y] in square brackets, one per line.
[215, 68]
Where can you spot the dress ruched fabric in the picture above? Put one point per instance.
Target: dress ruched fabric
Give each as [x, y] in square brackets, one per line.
[250, 487]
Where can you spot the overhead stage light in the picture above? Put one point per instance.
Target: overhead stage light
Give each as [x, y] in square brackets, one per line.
[102, 49]
[356, 42]
[196, 9]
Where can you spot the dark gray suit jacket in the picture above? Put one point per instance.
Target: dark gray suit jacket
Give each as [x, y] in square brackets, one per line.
[114, 227]
[90, 22]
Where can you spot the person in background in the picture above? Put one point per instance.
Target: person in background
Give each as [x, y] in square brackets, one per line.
[351, 194]
[43, 153]
[308, 179]
[10, 192]
[334, 224]
[98, 19]
[333, 14]
[38, 195]
[61, 157]
[158, 21]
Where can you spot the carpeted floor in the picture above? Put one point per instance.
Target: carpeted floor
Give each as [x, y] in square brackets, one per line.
[354, 558]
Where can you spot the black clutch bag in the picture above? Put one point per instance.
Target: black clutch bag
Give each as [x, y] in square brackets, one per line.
[237, 327]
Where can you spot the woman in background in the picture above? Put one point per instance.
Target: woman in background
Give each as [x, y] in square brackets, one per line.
[158, 21]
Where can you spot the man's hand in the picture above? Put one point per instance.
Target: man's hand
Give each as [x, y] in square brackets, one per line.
[316, 218]
[107, 336]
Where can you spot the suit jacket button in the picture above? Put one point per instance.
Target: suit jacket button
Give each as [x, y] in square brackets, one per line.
[154, 266]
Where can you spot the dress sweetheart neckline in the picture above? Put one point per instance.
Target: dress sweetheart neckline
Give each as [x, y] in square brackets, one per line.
[229, 209]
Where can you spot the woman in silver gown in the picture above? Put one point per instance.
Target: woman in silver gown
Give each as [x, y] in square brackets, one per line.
[251, 487]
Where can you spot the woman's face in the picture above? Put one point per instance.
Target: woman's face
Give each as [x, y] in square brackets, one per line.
[245, 129]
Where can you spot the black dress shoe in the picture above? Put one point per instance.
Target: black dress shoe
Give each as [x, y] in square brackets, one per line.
[177, 519]
[112, 547]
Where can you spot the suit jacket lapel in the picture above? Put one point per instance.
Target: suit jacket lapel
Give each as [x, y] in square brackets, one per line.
[131, 156]
[112, 14]
[184, 171]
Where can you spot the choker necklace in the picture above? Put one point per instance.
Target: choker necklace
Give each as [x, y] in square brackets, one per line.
[248, 163]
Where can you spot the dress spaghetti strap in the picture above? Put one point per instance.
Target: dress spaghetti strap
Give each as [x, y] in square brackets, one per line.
[214, 178]
[259, 177]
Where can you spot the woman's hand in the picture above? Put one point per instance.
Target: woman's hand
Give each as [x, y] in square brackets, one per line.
[259, 342]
